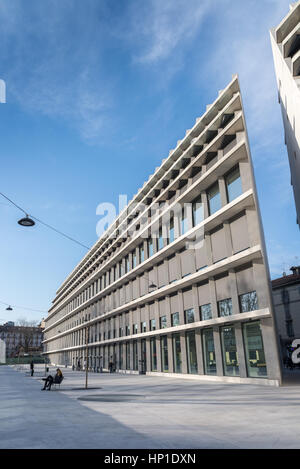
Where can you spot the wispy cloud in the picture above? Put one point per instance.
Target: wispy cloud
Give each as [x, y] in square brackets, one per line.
[56, 64]
[164, 26]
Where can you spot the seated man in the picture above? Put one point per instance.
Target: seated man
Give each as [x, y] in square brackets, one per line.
[57, 379]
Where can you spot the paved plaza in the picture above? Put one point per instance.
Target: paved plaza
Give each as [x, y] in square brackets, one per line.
[131, 411]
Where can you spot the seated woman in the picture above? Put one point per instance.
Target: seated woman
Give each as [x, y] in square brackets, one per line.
[57, 379]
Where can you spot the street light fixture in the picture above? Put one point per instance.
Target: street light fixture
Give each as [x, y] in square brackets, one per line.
[9, 308]
[26, 221]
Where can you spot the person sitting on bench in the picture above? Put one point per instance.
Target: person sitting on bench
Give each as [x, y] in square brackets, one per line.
[57, 379]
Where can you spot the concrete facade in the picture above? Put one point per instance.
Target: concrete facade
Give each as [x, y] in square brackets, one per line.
[182, 289]
[286, 299]
[2, 351]
[285, 40]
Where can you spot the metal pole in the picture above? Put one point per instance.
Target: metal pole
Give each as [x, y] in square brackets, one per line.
[86, 356]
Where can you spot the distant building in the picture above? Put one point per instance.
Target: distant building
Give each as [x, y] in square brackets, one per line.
[286, 297]
[9, 323]
[20, 339]
[285, 39]
[2, 351]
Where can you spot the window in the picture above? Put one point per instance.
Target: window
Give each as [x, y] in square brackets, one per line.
[198, 211]
[225, 307]
[163, 322]
[233, 184]
[189, 316]
[143, 326]
[142, 253]
[191, 353]
[135, 329]
[127, 356]
[209, 355]
[135, 356]
[248, 302]
[120, 356]
[152, 325]
[205, 312]
[127, 330]
[175, 319]
[177, 353]
[171, 231]
[255, 355]
[134, 259]
[127, 265]
[121, 332]
[184, 222]
[150, 247]
[229, 351]
[153, 354]
[214, 198]
[164, 353]
[160, 243]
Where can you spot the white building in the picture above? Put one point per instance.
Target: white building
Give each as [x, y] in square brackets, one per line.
[285, 39]
[2, 351]
[156, 301]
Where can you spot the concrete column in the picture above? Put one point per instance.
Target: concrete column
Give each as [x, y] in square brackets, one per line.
[253, 226]
[178, 262]
[208, 248]
[246, 175]
[270, 349]
[223, 194]
[170, 354]
[234, 292]
[240, 350]
[198, 339]
[205, 204]
[148, 354]
[168, 310]
[131, 354]
[213, 298]
[196, 302]
[180, 307]
[228, 239]
[117, 364]
[184, 367]
[156, 315]
[130, 323]
[218, 351]
[260, 283]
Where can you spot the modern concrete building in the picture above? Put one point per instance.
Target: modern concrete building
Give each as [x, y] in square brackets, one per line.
[286, 298]
[182, 289]
[285, 41]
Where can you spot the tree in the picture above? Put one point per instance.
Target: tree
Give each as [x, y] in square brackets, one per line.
[28, 332]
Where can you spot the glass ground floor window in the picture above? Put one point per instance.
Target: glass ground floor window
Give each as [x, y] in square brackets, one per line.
[164, 353]
[121, 356]
[177, 353]
[135, 356]
[254, 350]
[229, 351]
[153, 354]
[192, 365]
[209, 355]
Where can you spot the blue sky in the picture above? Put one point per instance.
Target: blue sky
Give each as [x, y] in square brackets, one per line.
[98, 92]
